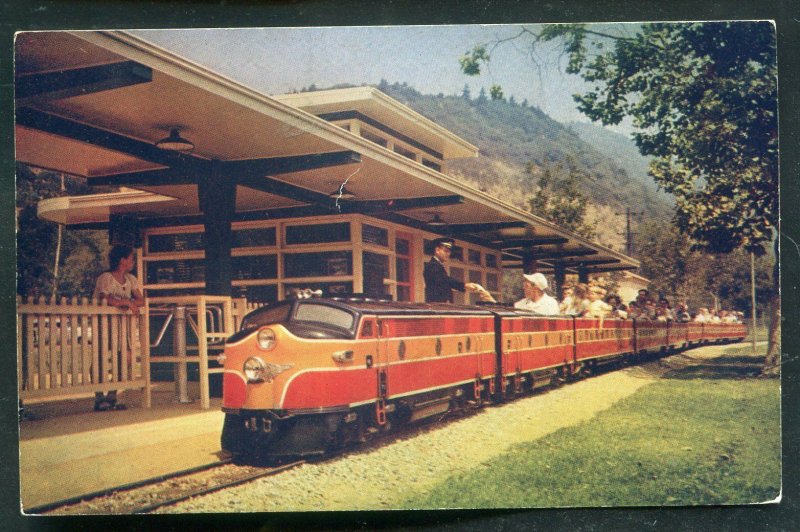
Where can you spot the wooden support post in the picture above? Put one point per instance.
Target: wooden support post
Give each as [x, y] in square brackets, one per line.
[559, 276]
[217, 195]
[144, 341]
[528, 262]
[202, 351]
[583, 275]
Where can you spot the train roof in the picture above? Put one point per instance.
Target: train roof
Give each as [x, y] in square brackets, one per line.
[374, 306]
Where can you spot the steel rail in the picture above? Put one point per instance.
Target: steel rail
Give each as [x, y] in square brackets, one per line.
[217, 487]
[44, 508]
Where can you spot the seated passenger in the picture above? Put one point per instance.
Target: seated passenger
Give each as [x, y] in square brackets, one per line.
[618, 308]
[702, 315]
[579, 301]
[566, 302]
[536, 300]
[648, 310]
[597, 307]
[682, 313]
[664, 311]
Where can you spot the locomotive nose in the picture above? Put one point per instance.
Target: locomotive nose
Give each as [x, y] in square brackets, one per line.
[234, 390]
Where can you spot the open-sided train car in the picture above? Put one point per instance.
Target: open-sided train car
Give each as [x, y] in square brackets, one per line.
[304, 376]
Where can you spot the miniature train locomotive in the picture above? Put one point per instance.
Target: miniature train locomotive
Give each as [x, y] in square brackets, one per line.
[306, 376]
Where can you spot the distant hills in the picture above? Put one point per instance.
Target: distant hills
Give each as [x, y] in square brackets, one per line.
[510, 135]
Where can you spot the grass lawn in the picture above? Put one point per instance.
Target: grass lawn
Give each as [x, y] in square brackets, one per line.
[697, 436]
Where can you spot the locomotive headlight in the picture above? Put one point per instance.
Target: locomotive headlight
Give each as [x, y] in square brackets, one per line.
[254, 369]
[266, 339]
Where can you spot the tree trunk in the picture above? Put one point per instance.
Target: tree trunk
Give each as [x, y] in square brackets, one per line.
[772, 363]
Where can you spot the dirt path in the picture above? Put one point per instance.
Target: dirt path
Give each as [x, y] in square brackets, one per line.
[381, 478]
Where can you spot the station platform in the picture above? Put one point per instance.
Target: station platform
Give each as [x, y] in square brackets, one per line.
[68, 450]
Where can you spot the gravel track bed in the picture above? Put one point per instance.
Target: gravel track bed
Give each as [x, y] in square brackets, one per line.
[380, 478]
[129, 501]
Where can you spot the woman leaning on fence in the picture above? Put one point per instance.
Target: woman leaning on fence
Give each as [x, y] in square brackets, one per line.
[120, 289]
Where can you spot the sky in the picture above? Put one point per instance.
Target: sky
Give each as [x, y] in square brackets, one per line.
[279, 60]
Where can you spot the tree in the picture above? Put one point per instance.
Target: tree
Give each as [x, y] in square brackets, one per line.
[699, 278]
[703, 101]
[496, 92]
[482, 96]
[559, 198]
[83, 255]
[465, 92]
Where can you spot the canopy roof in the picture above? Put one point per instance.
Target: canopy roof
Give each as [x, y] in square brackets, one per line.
[94, 104]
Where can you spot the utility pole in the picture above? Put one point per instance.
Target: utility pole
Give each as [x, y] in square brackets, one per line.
[753, 295]
[629, 234]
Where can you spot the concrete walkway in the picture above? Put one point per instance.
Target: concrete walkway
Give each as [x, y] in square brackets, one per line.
[68, 450]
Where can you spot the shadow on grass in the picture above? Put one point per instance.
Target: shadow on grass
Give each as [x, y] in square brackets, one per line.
[722, 367]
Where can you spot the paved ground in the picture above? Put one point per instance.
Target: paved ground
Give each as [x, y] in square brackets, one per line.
[81, 451]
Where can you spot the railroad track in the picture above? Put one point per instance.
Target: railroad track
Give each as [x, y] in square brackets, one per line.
[148, 495]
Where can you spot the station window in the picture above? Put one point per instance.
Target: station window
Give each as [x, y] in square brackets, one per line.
[403, 274]
[492, 282]
[328, 289]
[491, 260]
[254, 267]
[175, 242]
[374, 235]
[322, 264]
[318, 234]
[404, 152]
[402, 246]
[431, 164]
[376, 269]
[250, 238]
[474, 256]
[259, 294]
[380, 141]
[175, 271]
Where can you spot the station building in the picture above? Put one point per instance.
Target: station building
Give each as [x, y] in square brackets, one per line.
[232, 193]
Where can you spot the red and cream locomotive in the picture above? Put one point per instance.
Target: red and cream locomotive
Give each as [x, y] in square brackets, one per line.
[305, 376]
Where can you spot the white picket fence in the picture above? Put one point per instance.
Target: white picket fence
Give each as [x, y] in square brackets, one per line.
[73, 347]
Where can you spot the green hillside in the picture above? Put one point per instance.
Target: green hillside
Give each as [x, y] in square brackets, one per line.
[511, 135]
[624, 152]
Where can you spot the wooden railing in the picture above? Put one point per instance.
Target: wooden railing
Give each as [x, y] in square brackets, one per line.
[75, 347]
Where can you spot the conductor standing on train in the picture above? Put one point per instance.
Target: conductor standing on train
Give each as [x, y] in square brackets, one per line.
[439, 285]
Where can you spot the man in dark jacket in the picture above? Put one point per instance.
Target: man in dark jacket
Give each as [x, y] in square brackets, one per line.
[439, 285]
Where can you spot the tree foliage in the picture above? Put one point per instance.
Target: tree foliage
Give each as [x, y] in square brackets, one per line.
[697, 277]
[559, 197]
[83, 251]
[703, 100]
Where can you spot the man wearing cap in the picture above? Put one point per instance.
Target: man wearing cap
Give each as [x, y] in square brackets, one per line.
[536, 300]
[439, 285]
